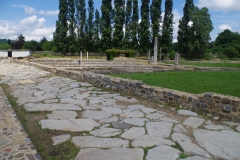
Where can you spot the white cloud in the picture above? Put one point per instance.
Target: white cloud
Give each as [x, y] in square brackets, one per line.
[31, 28]
[27, 9]
[31, 10]
[224, 26]
[33, 21]
[49, 13]
[220, 5]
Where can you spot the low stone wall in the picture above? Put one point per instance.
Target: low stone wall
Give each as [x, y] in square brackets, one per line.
[41, 66]
[225, 107]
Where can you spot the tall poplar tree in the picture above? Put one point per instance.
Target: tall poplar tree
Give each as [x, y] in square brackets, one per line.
[167, 31]
[118, 34]
[90, 25]
[128, 15]
[60, 35]
[81, 22]
[144, 33]
[185, 33]
[71, 27]
[106, 20]
[96, 37]
[134, 27]
[155, 12]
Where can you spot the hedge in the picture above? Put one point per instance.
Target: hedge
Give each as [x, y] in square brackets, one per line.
[111, 53]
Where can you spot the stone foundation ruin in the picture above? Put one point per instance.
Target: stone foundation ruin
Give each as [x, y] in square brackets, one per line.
[93, 71]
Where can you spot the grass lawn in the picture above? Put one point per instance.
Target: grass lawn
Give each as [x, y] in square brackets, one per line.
[225, 82]
[210, 64]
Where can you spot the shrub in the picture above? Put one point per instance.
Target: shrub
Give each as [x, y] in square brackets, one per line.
[45, 54]
[111, 53]
[4, 46]
[231, 52]
[223, 57]
[208, 55]
[172, 55]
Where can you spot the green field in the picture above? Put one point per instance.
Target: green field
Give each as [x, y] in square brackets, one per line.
[224, 82]
[210, 64]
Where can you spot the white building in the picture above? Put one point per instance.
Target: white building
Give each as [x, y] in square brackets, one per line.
[15, 53]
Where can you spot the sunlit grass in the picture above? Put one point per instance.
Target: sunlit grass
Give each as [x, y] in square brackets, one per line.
[224, 82]
[210, 64]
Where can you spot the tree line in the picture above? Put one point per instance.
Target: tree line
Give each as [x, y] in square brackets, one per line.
[81, 27]
[122, 24]
[21, 43]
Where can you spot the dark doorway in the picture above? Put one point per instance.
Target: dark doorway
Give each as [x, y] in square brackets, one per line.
[9, 53]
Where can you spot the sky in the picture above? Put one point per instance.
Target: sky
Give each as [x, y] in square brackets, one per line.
[35, 19]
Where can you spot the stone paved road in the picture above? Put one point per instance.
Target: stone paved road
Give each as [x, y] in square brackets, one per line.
[14, 142]
[116, 130]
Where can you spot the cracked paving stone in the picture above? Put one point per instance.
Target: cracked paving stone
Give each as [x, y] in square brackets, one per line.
[193, 122]
[94, 142]
[133, 133]
[222, 144]
[159, 129]
[162, 152]
[106, 132]
[70, 125]
[110, 154]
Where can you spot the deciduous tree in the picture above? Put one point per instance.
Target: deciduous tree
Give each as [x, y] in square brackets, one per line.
[18, 43]
[201, 27]
[228, 43]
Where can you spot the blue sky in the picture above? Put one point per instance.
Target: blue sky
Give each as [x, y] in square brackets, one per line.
[36, 19]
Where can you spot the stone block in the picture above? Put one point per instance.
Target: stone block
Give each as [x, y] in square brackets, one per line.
[202, 101]
[169, 94]
[236, 119]
[204, 106]
[217, 98]
[221, 116]
[234, 109]
[190, 99]
[176, 96]
[211, 103]
[184, 97]
[208, 94]
[226, 101]
[170, 99]
[225, 111]
[197, 104]
[221, 106]
[228, 108]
